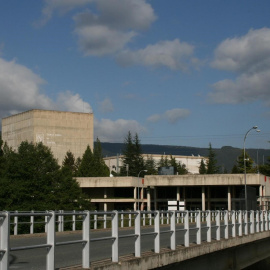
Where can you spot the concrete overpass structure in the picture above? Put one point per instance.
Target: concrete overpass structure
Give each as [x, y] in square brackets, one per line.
[204, 192]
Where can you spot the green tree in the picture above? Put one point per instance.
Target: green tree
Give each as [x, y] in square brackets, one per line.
[2, 158]
[70, 163]
[249, 164]
[202, 168]
[100, 168]
[212, 167]
[87, 163]
[235, 169]
[150, 165]
[133, 161]
[265, 169]
[182, 169]
[172, 162]
[163, 162]
[34, 181]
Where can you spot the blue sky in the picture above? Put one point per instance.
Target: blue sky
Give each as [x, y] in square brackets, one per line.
[176, 72]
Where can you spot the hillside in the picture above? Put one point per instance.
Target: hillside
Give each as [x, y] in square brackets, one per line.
[226, 156]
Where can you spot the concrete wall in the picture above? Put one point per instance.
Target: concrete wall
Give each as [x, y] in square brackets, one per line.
[61, 131]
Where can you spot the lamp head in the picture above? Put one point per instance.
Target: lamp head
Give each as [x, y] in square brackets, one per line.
[258, 130]
[255, 127]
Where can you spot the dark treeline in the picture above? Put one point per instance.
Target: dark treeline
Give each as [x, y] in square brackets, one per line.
[32, 179]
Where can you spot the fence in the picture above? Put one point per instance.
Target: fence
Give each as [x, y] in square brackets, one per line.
[234, 223]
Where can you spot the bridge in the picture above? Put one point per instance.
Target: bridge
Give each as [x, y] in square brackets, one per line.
[137, 239]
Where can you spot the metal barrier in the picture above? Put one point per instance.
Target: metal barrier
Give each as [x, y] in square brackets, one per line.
[234, 223]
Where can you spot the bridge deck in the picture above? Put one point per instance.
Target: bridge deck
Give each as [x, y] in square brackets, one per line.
[151, 260]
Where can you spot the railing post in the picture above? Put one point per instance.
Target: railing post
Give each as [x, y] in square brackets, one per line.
[150, 219]
[252, 225]
[198, 226]
[86, 238]
[143, 219]
[129, 220]
[186, 227]
[168, 218]
[15, 224]
[226, 223]
[262, 220]
[157, 231]
[162, 217]
[122, 220]
[46, 221]
[266, 220]
[115, 254]
[257, 221]
[177, 218]
[4, 241]
[95, 221]
[218, 225]
[173, 230]
[62, 221]
[208, 224]
[59, 221]
[233, 224]
[246, 222]
[74, 221]
[138, 234]
[105, 221]
[32, 223]
[240, 221]
[51, 241]
[268, 214]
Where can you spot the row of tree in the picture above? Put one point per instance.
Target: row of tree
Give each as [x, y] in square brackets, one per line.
[133, 162]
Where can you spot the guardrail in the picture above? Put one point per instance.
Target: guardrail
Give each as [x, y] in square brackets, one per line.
[234, 223]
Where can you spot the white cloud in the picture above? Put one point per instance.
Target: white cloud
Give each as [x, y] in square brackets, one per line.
[72, 102]
[106, 106]
[154, 118]
[60, 6]
[20, 90]
[113, 26]
[115, 131]
[172, 116]
[249, 57]
[174, 54]
[100, 40]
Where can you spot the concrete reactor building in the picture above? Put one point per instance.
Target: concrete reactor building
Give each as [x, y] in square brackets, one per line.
[61, 131]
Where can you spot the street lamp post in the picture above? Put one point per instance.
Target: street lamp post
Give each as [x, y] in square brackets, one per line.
[138, 195]
[245, 173]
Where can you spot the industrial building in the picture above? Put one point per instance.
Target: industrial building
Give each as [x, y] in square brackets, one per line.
[192, 162]
[61, 131]
[153, 192]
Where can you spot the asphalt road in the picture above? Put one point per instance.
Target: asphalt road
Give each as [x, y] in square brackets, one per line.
[68, 255]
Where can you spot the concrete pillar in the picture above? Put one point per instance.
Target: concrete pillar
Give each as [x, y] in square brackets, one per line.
[135, 194]
[105, 197]
[208, 198]
[148, 199]
[229, 199]
[141, 197]
[233, 196]
[184, 197]
[155, 198]
[178, 193]
[261, 195]
[203, 198]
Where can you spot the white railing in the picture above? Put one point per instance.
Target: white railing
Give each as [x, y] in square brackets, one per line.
[229, 224]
